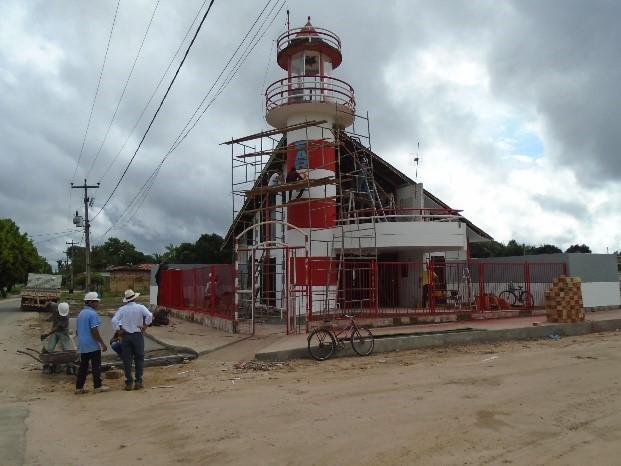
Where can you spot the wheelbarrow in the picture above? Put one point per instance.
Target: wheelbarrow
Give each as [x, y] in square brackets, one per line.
[53, 361]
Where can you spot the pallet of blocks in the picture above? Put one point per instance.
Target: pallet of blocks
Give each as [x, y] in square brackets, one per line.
[563, 301]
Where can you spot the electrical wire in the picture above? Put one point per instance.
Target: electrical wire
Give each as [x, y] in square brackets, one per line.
[140, 197]
[57, 236]
[118, 104]
[103, 66]
[170, 63]
[158, 109]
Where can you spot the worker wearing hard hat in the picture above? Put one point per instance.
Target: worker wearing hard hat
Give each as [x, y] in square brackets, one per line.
[59, 333]
[90, 344]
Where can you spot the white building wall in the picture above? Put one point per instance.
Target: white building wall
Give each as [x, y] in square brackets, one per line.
[596, 294]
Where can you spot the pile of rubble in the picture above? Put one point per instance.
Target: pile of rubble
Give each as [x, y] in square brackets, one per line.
[246, 366]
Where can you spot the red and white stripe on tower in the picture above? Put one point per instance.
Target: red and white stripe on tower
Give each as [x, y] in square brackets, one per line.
[310, 94]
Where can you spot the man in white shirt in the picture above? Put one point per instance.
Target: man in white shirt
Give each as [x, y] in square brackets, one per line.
[131, 320]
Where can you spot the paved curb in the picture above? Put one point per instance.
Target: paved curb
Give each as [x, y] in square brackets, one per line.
[384, 344]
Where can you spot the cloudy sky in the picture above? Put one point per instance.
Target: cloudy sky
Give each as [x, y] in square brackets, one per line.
[515, 104]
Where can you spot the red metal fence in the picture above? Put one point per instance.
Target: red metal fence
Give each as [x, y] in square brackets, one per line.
[208, 289]
[377, 289]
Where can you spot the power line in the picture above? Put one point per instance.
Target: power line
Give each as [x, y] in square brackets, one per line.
[170, 63]
[225, 67]
[103, 65]
[158, 109]
[131, 71]
[135, 205]
[141, 195]
[57, 236]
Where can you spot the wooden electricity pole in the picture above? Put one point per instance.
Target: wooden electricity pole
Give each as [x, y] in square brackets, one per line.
[87, 228]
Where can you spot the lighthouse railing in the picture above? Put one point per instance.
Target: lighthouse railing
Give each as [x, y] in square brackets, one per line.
[306, 89]
[302, 35]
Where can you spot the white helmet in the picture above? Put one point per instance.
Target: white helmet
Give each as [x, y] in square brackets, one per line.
[63, 309]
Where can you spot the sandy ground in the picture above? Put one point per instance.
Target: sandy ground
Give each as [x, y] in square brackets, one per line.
[532, 403]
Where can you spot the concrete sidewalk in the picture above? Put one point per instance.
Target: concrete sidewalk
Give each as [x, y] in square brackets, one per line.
[198, 337]
[475, 331]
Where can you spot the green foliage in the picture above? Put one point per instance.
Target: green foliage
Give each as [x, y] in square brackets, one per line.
[206, 250]
[547, 249]
[583, 248]
[18, 256]
[117, 252]
[512, 248]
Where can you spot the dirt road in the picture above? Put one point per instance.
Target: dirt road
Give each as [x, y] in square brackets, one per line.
[543, 402]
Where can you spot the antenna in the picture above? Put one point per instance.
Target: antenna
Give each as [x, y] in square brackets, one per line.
[416, 160]
[288, 24]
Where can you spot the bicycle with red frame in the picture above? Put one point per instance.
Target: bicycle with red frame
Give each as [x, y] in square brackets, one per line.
[325, 341]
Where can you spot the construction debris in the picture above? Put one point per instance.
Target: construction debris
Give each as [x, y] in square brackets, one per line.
[563, 301]
[257, 365]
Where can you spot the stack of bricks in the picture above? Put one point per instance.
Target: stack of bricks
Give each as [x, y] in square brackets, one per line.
[563, 301]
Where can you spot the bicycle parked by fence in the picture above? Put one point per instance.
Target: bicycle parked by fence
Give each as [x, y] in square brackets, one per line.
[517, 296]
[324, 341]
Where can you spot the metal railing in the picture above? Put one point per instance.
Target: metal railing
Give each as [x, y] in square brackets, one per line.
[305, 89]
[303, 34]
[390, 214]
[385, 289]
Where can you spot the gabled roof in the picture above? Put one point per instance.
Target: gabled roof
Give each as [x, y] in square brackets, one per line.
[377, 162]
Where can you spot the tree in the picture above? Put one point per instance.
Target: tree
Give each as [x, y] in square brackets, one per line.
[117, 252]
[206, 250]
[487, 249]
[512, 248]
[546, 249]
[583, 248]
[18, 256]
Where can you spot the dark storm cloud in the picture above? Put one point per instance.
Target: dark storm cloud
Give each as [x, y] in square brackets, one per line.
[563, 58]
[577, 210]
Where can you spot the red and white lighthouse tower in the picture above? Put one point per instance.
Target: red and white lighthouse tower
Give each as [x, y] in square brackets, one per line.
[310, 94]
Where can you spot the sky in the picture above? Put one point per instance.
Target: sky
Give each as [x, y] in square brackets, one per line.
[515, 106]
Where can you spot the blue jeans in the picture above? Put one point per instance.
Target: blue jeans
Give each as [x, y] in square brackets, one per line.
[117, 346]
[133, 350]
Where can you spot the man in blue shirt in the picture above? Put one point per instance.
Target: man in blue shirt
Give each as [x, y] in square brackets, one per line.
[89, 343]
[131, 320]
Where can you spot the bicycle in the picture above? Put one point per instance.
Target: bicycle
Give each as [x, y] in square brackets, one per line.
[324, 341]
[514, 295]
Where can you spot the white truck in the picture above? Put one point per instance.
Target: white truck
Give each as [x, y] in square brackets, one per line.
[40, 289]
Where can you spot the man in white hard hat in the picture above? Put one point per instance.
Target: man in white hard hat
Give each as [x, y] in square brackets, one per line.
[131, 320]
[90, 344]
[59, 333]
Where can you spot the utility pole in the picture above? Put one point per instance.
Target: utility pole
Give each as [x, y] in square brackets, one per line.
[71, 244]
[87, 228]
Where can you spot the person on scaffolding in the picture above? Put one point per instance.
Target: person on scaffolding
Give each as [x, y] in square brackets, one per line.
[275, 180]
[292, 177]
[362, 179]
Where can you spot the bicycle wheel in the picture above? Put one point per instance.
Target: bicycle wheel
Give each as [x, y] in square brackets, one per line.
[526, 298]
[362, 341]
[508, 296]
[321, 344]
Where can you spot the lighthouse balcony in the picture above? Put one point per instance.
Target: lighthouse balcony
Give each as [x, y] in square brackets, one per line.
[404, 228]
[318, 95]
[306, 37]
